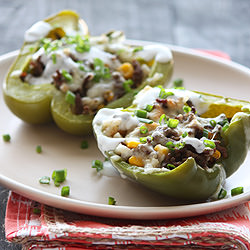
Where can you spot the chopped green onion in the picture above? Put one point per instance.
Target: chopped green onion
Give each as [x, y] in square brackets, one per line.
[140, 48]
[100, 70]
[59, 176]
[81, 67]
[205, 133]
[112, 201]
[39, 149]
[172, 123]
[236, 191]
[170, 145]
[180, 145]
[163, 119]
[171, 166]
[185, 134]
[82, 45]
[67, 75]
[163, 94]
[223, 122]
[143, 139]
[149, 108]
[6, 137]
[141, 113]
[127, 85]
[65, 191]
[53, 56]
[36, 210]
[144, 120]
[222, 194]
[70, 97]
[186, 109]
[98, 165]
[213, 123]
[143, 129]
[84, 145]
[225, 127]
[178, 83]
[209, 144]
[44, 180]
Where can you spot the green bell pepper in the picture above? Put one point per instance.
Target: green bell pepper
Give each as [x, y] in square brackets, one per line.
[186, 181]
[42, 102]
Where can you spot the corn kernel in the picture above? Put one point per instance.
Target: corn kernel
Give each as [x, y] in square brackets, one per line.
[127, 70]
[161, 149]
[217, 154]
[132, 144]
[137, 161]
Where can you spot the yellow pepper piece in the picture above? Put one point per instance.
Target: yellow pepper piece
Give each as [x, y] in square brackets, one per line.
[217, 154]
[127, 70]
[132, 144]
[137, 161]
[217, 109]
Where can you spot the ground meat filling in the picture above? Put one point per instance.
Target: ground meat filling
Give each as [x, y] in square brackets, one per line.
[173, 136]
[81, 76]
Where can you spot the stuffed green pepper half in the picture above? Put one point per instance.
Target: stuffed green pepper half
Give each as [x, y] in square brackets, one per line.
[65, 75]
[180, 143]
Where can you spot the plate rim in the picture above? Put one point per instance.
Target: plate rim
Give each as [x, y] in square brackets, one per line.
[131, 212]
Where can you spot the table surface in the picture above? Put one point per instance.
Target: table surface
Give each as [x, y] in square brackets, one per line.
[209, 24]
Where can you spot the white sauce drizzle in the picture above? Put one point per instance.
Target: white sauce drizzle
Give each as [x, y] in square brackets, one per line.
[160, 53]
[37, 31]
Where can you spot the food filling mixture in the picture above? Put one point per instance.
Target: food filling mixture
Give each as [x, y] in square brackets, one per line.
[89, 70]
[163, 130]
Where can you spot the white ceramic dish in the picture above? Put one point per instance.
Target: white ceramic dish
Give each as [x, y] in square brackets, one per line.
[21, 167]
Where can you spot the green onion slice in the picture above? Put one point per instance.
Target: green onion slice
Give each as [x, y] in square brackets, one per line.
[172, 123]
[237, 190]
[163, 119]
[59, 176]
[98, 165]
[149, 108]
[141, 113]
[44, 180]
[222, 194]
[143, 129]
[213, 123]
[65, 191]
[39, 149]
[67, 75]
[112, 201]
[70, 97]
[144, 120]
[6, 137]
[84, 145]
[209, 144]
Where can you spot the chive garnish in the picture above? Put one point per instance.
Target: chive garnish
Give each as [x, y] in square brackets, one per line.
[163, 94]
[111, 201]
[163, 119]
[171, 166]
[98, 165]
[84, 145]
[143, 139]
[205, 133]
[222, 194]
[149, 108]
[184, 134]
[100, 70]
[213, 123]
[6, 137]
[140, 48]
[209, 144]
[225, 127]
[172, 123]
[44, 180]
[186, 109]
[67, 75]
[141, 113]
[127, 85]
[170, 145]
[59, 176]
[39, 149]
[65, 191]
[70, 97]
[53, 56]
[145, 120]
[178, 83]
[143, 129]
[236, 191]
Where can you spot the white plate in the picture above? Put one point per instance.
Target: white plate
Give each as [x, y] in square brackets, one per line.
[21, 167]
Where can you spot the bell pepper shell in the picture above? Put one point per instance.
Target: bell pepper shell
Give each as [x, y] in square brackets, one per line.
[186, 182]
[31, 103]
[237, 140]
